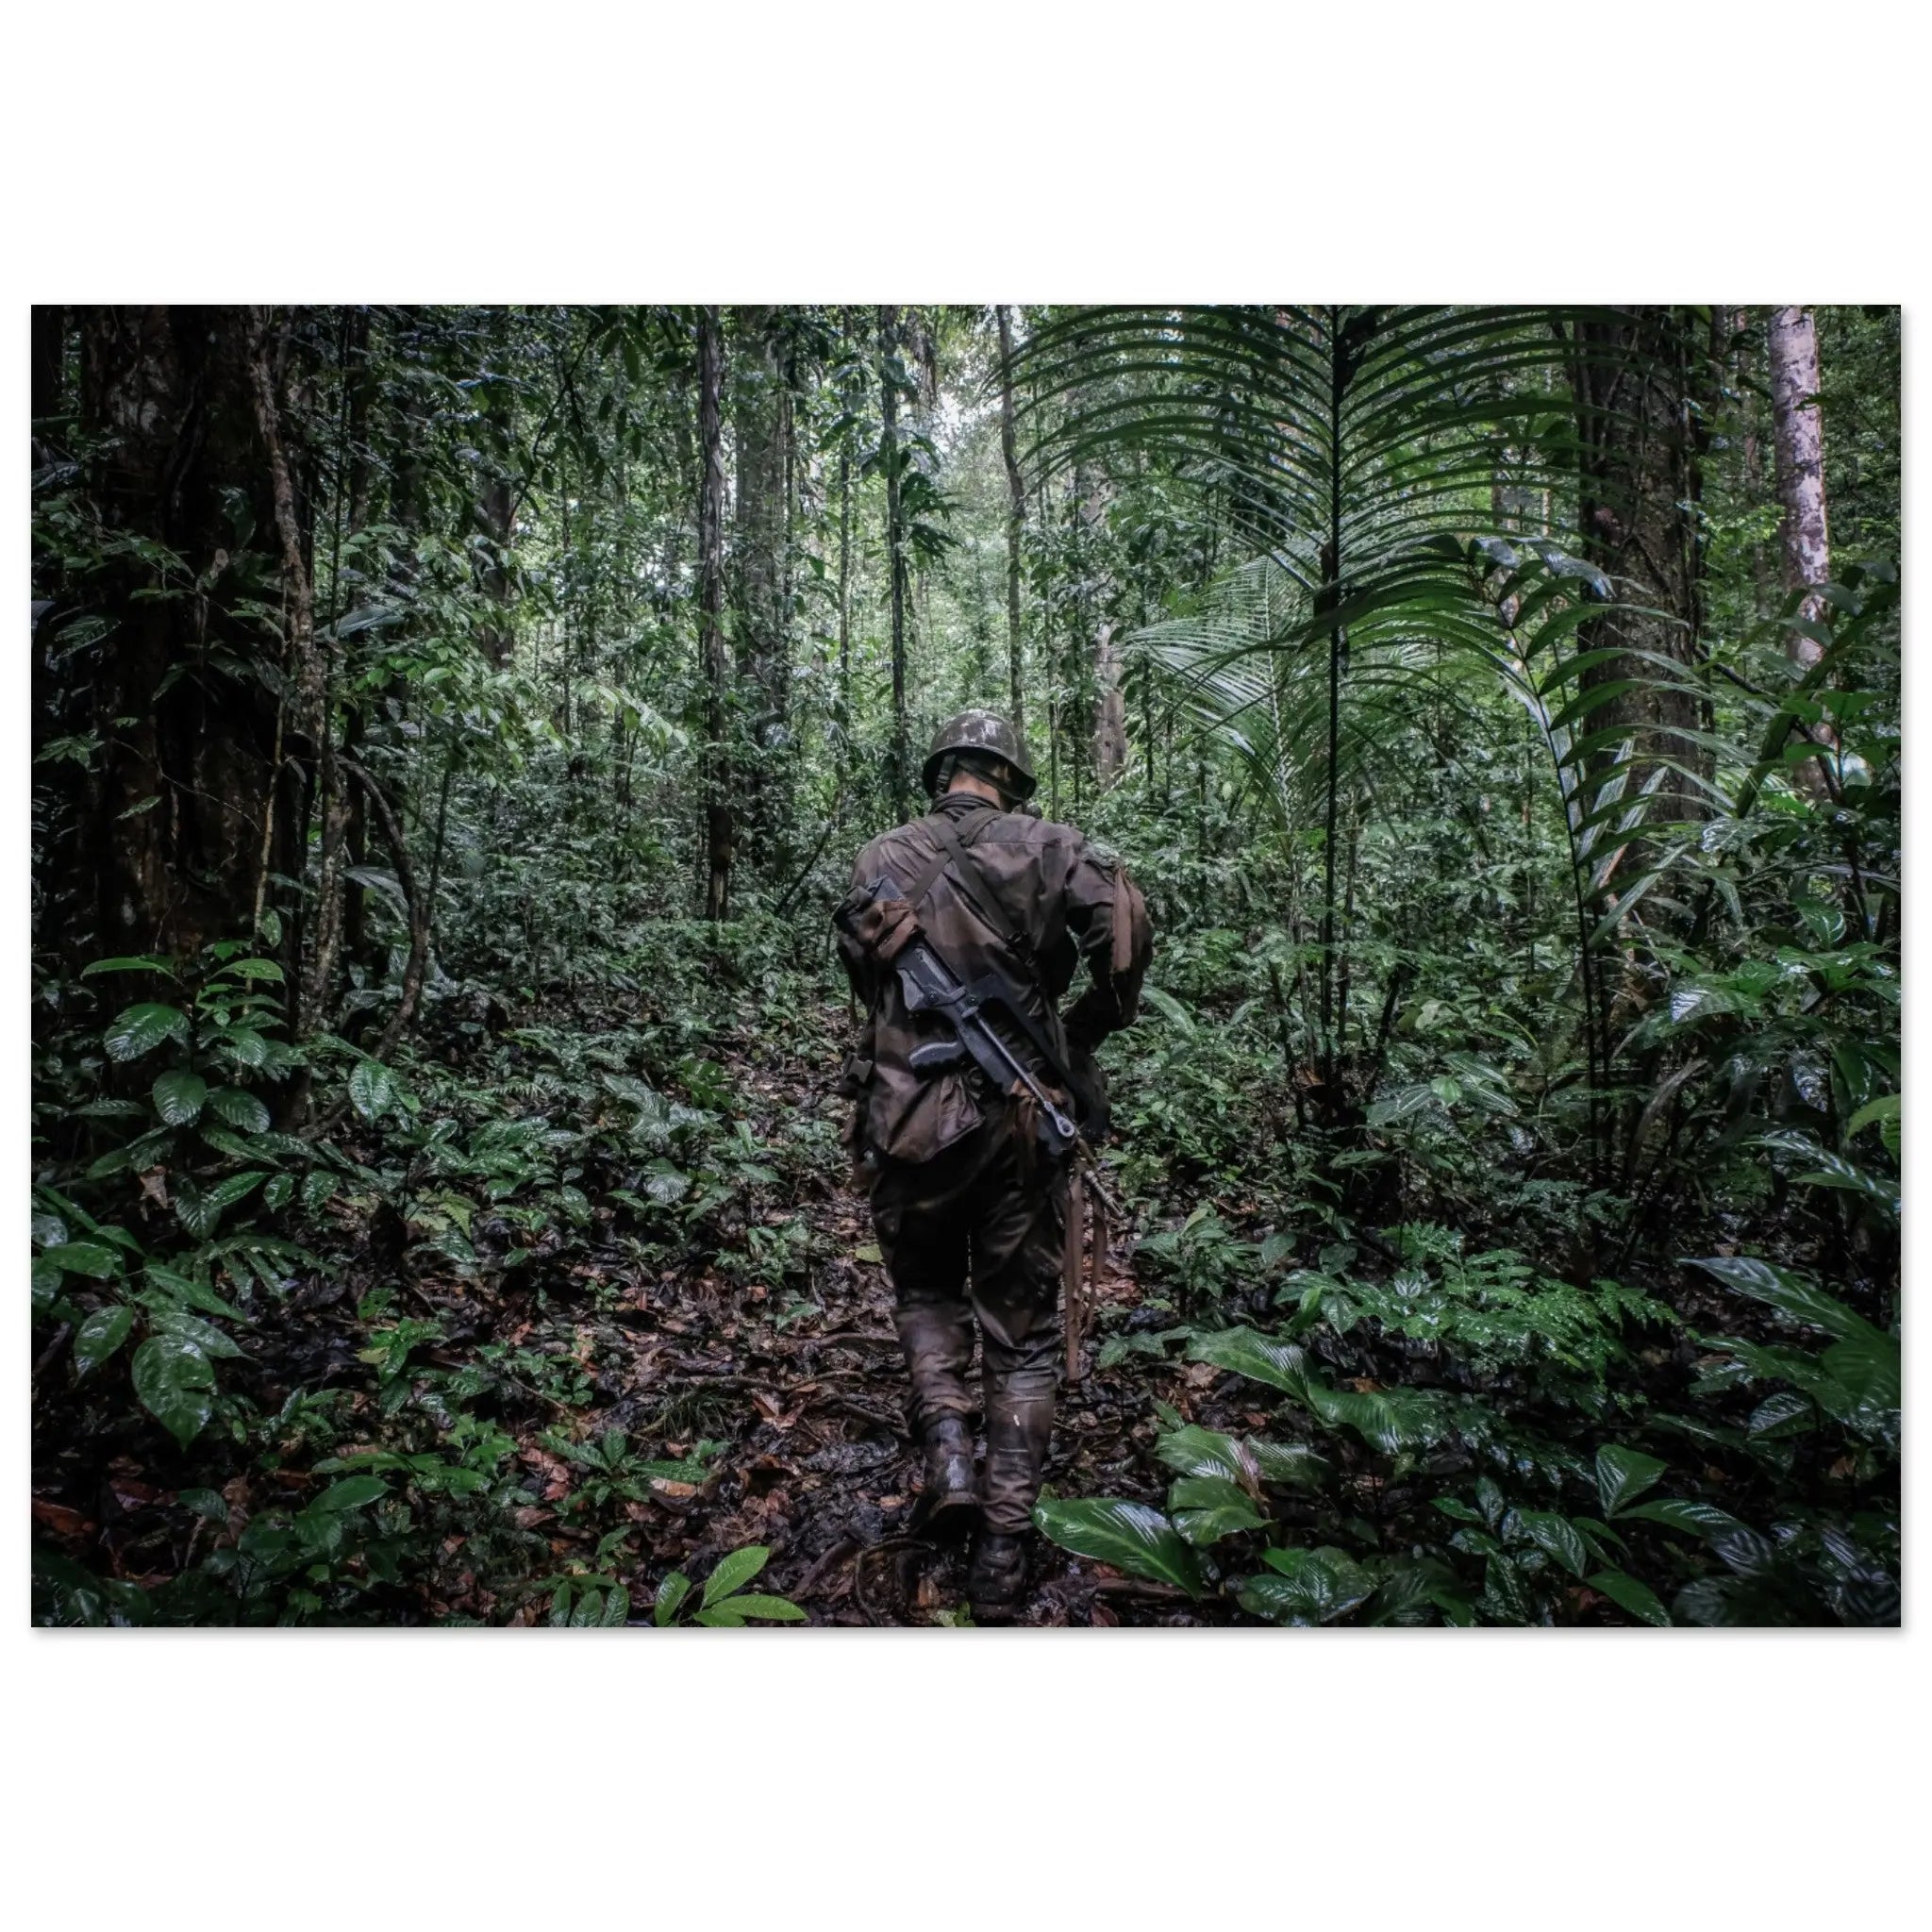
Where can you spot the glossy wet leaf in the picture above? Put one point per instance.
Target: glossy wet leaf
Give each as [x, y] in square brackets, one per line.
[141, 1028]
[177, 1384]
[371, 1089]
[775, 1609]
[1558, 1538]
[734, 1571]
[352, 1492]
[178, 1097]
[91, 1258]
[1623, 1475]
[99, 1337]
[1195, 1450]
[239, 1108]
[1628, 1594]
[1205, 1508]
[144, 962]
[671, 1594]
[1787, 1291]
[1129, 1536]
[192, 1328]
[1693, 1518]
[1306, 1586]
[1245, 1352]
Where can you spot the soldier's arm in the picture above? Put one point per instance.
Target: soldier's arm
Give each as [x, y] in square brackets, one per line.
[1107, 919]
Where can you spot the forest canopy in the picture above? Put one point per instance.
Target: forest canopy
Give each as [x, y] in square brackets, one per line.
[451, 729]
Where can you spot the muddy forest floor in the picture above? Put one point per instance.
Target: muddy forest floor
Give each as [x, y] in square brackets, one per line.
[778, 1404]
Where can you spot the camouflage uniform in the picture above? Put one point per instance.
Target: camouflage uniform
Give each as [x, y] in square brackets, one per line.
[969, 1213]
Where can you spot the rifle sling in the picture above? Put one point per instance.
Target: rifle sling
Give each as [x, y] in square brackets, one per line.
[978, 895]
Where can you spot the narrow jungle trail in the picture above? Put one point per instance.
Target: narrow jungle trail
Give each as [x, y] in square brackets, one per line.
[816, 1462]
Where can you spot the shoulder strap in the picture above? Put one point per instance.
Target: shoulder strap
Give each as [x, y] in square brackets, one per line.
[971, 882]
[922, 881]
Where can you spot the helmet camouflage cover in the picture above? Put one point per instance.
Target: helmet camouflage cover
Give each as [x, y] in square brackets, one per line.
[987, 733]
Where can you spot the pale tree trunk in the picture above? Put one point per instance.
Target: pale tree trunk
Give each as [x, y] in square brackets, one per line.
[761, 420]
[896, 558]
[1110, 698]
[1800, 431]
[716, 666]
[496, 512]
[1016, 521]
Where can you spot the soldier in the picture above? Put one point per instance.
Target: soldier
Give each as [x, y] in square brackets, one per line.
[969, 1207]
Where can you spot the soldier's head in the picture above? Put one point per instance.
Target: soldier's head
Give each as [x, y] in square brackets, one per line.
[985, 745]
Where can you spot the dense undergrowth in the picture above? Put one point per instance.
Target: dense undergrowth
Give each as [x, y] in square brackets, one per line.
[1510, 1137]
[378, 1370]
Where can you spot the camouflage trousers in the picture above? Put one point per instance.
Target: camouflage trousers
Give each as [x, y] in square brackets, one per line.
[975, 1233]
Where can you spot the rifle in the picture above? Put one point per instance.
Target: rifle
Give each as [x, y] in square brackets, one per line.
[929, 985]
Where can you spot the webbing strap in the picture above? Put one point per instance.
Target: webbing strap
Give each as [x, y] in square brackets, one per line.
[973, 882]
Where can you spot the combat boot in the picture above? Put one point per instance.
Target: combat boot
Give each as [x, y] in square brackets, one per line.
[949, 1504]
[997, 1578]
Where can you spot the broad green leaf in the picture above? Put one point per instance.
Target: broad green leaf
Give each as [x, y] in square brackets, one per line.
[1306, 1586]
[1198, 1452]
[1557, 1536]
[275, 1196]
[774, 1610]
[141, 1028]
[1129, 1536]
[1786, 1413]
[1276, 1363]
[1623, 1475]
[1205, 1508]
[210, 1505]
[371, 1088]
[144, 962]
[734, 1571]
[84, 1257]
[223, 1194]
[99, 1336]
[204, 1335]
[178, 1097]
[1507, 1600]
[671, 1593]
[1790, 1295]
[252, 969]
[244, 1045]
[1886, 1108]
[1698, 1519]
[192, 1293]
[194, 1211]
[352, 1492]
[176, 1384]
[1287, 1463]
[1624, 1590]
[239, 1108]
[1868, 1368]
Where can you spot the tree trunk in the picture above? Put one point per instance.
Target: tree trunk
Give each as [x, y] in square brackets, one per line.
[167, 835]
[717, 667]
[49, 371]
[896, 558]
[761, 426]
[1016, 521]
[496, 509]
[1095, 491]
[1642, 382]
[1800, 432]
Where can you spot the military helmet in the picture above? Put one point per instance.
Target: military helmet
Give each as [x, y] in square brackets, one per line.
[991, 736]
